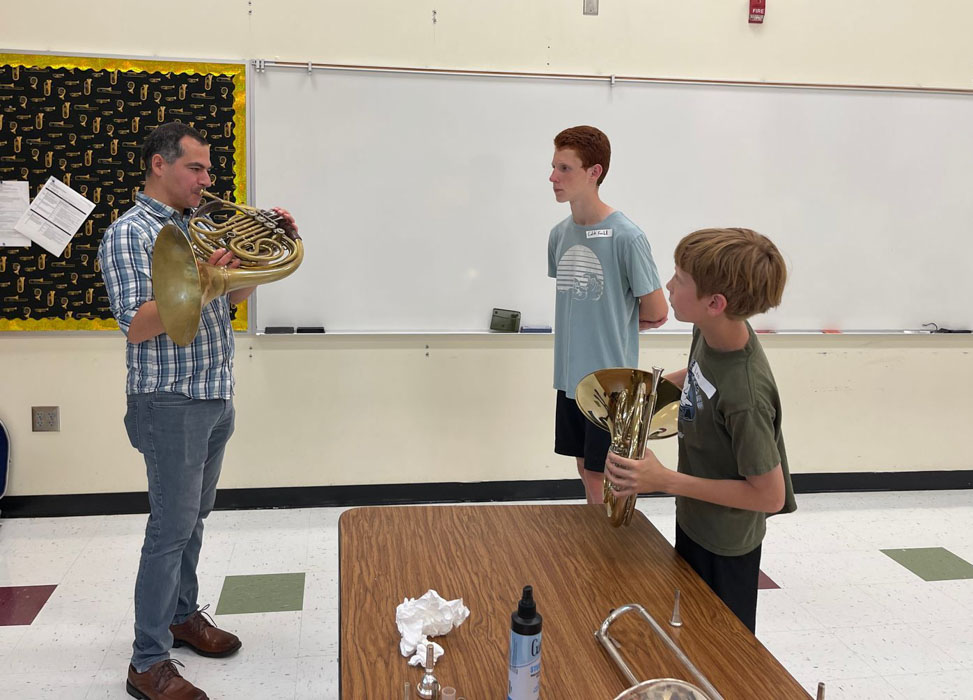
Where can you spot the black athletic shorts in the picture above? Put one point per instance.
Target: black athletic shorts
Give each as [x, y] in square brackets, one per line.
[576, 436]
[733, 579]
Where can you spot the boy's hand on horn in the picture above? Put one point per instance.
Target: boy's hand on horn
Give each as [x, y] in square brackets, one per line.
[631, 477]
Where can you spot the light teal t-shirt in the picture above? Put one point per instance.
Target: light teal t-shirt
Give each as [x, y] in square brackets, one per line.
[601, 272]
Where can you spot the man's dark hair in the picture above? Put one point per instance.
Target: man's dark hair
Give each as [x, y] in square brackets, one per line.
[165, 139]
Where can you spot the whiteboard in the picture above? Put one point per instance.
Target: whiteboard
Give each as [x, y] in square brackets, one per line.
[424, 203]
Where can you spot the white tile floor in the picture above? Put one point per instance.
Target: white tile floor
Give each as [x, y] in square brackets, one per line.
[845, 613]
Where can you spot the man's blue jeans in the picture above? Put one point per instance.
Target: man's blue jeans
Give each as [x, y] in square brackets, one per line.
[182, 441]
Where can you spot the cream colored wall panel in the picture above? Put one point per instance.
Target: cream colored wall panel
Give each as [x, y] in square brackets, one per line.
[890, 42]
[196, 31]
[874, 405]
[473, 409]
[83, 374]
[334, 410]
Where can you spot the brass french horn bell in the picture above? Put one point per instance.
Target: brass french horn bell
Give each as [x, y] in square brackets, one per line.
[633, 406]
[184, 283]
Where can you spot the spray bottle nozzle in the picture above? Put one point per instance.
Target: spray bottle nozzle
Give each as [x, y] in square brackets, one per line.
[526, 607]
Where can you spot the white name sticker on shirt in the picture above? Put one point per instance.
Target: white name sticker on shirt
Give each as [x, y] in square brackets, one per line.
[702, 382]
[599, 233]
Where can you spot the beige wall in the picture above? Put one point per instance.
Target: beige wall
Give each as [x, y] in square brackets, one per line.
[898, 42]
[389, 409]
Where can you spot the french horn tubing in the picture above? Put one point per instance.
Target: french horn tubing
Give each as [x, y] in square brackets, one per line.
[184, 282]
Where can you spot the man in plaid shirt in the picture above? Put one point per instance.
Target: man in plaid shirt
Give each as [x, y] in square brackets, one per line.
[180, 413]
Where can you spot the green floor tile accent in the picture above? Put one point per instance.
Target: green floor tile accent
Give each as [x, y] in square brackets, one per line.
[261, 593]
[932, 563]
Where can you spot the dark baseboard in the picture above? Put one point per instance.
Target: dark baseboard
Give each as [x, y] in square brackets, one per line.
[444, 492]
[882, 481]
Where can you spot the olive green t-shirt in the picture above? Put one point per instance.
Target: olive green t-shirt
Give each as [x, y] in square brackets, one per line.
[729, 428]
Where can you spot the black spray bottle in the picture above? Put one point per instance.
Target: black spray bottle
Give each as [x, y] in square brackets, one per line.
[524, 675]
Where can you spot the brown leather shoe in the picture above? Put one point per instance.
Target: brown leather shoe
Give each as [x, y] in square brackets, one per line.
[162, 682]
[202, 636]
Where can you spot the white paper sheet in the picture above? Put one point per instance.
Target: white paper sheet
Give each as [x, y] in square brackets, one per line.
[14, 199]
[54, 216]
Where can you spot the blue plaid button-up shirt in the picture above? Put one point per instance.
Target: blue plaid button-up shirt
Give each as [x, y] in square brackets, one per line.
[201, 370]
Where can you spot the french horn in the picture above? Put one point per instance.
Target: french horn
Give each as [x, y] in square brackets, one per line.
[184, 283]
[633, 406]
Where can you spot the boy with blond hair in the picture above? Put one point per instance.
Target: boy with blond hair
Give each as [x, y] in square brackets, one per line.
[732, 470]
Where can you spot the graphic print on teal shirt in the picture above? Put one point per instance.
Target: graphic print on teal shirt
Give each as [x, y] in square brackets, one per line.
[579, 273]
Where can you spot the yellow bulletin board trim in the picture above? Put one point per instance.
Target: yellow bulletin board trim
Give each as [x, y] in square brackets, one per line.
[237, 72]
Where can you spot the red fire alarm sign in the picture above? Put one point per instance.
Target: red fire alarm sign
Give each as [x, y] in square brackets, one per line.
[757, 10]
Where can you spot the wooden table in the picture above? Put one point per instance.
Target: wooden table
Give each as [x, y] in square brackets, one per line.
[580, 567]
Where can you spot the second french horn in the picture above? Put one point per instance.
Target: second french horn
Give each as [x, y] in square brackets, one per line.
[633, 406]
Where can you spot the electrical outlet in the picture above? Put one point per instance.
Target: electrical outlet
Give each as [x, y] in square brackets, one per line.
[45, 419]
[591, 7]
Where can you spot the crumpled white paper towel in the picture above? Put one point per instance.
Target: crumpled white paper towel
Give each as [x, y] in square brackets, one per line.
[428, 615]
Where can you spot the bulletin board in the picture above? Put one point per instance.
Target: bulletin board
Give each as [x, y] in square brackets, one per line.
[83, 120]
